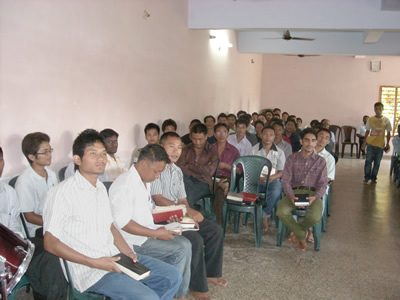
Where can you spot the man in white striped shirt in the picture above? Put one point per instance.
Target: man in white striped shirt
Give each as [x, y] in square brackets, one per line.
[79, 227]
[207, 242]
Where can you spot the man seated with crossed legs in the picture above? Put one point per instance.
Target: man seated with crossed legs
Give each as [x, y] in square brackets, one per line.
[207, 243]
[304, 173]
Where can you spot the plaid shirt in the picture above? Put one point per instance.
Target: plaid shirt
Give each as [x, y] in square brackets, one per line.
[301, 171]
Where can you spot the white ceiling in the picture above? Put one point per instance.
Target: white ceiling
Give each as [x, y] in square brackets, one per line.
[347, 27]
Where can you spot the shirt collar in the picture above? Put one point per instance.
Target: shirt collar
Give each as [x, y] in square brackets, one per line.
[273, 147]
[83, 183]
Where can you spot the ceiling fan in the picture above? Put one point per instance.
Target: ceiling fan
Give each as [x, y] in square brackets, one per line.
[287, 37]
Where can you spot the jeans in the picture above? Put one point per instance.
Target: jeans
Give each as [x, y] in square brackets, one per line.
[177, 252]
[195, 190]
[163, 282]
[374, 154]
[273, 195]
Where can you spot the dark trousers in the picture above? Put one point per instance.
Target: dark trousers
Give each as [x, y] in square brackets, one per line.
[374, 155]
[361, 141]
[207, 254]
[195, 189]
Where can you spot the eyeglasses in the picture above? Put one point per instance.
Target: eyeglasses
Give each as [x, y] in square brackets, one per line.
[46, 152]
[221, 132]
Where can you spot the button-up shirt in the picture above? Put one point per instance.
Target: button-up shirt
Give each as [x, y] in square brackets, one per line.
[330, 163]
[9, 209]
[170, 184]
[244, 146]
[275, 155]
[301, 171]
[114, 167]
[79, 215]
[130, 200]
[286, 147]
[228, 156]
[294, 141]
[201, 167]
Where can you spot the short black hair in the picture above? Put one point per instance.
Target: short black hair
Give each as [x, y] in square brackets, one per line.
[86, 138]
[292, 117]
[312, 122]
[277, 122]
[231, 116]
[299, 119]
[268, 110]
[152, 126]
[258, 122]
[153, 153]
[267, 127]
[31, 143]
[167, 135]
[378, 104]
[254, 113]
[242, 121]
[1, 151]
[307, 131]
[199, 128]
[326, 130]
[218, 125]
[106, 133]
[291, 120]
[285, 113]
[241, 112]
[208, 117]
[276, 108]
[197, 121]
[168, 122]
[222, 115]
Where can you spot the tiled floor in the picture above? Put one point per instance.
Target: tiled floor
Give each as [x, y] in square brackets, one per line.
[359, 257]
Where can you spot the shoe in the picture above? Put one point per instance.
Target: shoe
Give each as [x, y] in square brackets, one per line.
[365, 180]
[373, 181]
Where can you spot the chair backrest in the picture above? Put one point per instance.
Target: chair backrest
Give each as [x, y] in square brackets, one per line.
[252, 166]
[348, 134]
[21, 215]
[61, 173]
[13, 181]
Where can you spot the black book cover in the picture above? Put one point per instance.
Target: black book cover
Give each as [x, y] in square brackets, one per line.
[137, 268]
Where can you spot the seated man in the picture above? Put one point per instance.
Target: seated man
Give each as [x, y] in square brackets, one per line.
[290, 132]
[268, 116]
[131, 208]
[209, 121]
[254, 117]
[186, 138]
[207, 243]
[258, 125]
[79, 227]
[227, 155]
[299, 122]
[304, 173]
[198, 163]
[279, 141]
[222, 118]
[275, 155]
[239, 140]
[152, 135]
[169, 125]
[9, 205]
[115, 166]
[231, 120]
[32, 185]
[326, 124]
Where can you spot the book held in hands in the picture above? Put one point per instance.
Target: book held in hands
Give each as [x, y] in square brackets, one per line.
[164, 213]
[135, 270]
[302, 200]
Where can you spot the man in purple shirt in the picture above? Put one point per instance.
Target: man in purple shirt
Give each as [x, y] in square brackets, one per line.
[198, 163]
[227, 154]
[304, 173]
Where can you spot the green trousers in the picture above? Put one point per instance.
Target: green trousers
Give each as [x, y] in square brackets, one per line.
[313, 216]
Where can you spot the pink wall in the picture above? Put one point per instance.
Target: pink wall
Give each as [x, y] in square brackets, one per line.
[339, 88]
[71, 65]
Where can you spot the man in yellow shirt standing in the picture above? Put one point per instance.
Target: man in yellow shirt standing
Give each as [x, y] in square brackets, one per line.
[375, 142]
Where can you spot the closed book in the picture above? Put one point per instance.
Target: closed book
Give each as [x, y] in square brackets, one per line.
[249, 197]
[164, 213]
[135, 270]
[302, 200]
[235, 197]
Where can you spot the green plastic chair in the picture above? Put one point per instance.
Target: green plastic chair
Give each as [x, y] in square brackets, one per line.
[24, 282]
[61, 173]
[252, 167]
[329, 200]
[75, 294]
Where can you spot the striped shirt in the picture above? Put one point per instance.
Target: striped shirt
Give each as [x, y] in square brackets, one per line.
[170, 184]
[32, 191]
[301, 171]
[79, 215]
[114, 167]
[285, 147]
[130, 200]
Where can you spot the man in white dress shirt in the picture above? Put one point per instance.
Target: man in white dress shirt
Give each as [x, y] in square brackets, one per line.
[32, 185]
[239, 140]
[115, 166]
[132, 211]
[79, 227]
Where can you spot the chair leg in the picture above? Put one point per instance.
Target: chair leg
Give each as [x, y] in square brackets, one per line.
[317, 236]
[351, 150]
[245, 217]
[224, 216]
[258, 221]
[279, 235]
[328, 206]
[343, 149]
[236, 219]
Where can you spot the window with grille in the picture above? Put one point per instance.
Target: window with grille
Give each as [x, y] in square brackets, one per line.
[390, 98]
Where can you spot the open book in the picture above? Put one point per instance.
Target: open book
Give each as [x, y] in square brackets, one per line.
[135, 270]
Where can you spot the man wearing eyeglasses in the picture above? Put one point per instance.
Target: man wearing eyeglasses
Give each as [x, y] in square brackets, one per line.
[32, 185]
[115, 166]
